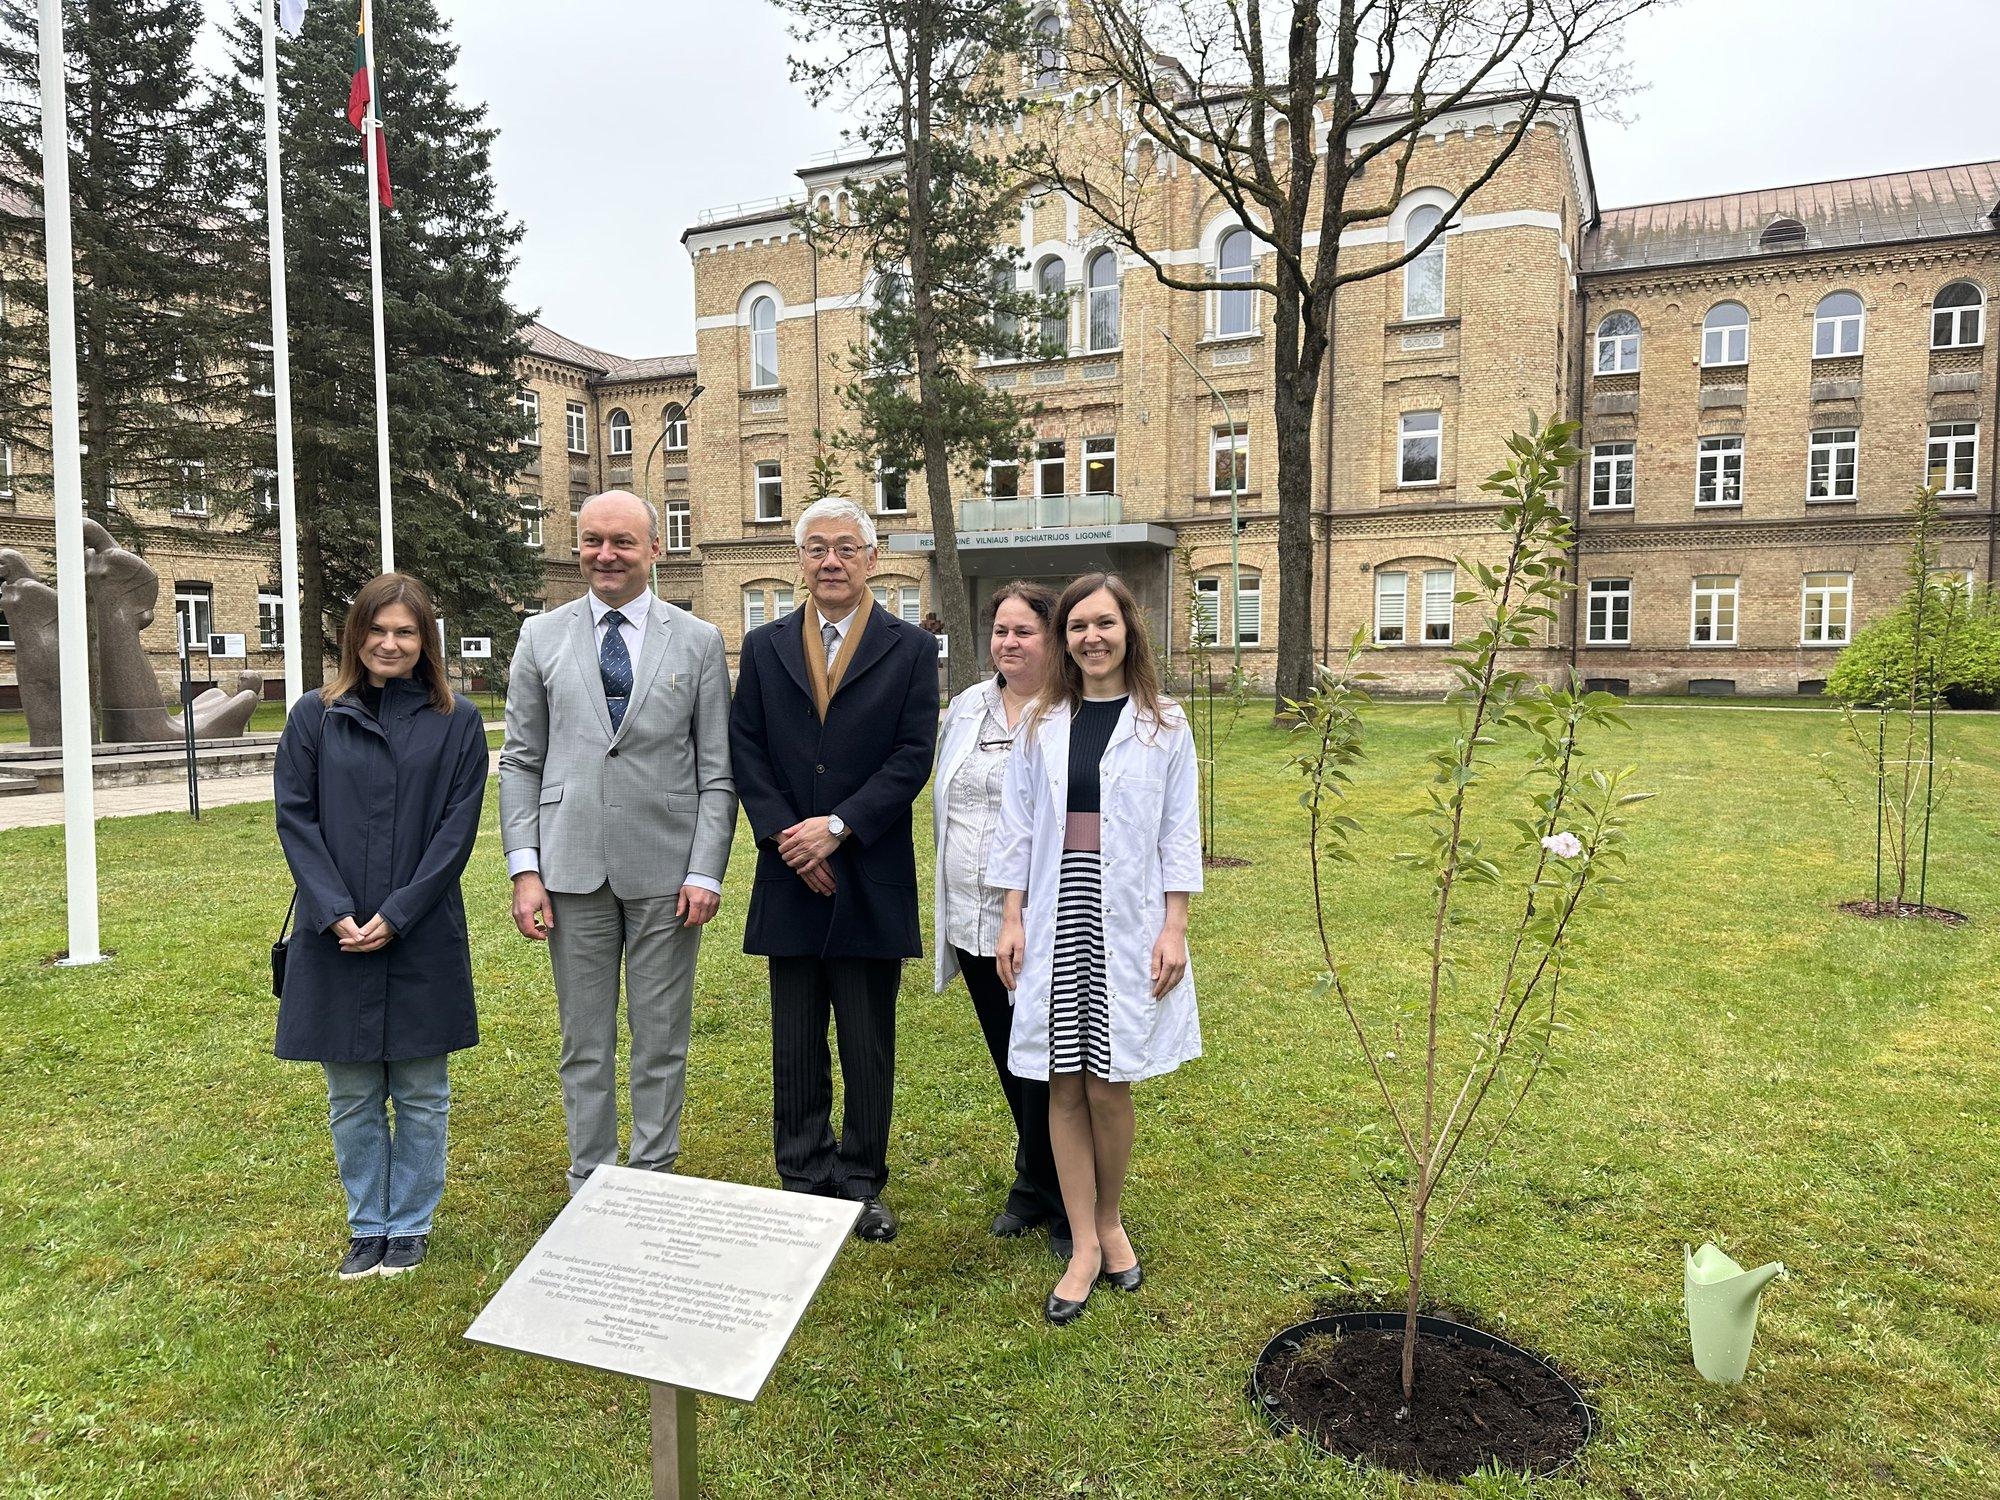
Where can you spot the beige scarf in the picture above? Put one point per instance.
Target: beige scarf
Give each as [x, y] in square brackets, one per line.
[825, 683]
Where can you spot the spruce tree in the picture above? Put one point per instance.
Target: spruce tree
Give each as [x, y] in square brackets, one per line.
[453, 337]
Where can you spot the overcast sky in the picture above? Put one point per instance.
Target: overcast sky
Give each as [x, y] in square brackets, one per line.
[620, 120]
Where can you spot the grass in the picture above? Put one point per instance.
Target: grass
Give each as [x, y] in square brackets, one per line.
[1751, 1067]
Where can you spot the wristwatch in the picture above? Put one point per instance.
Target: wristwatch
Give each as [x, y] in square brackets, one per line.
[837, 826]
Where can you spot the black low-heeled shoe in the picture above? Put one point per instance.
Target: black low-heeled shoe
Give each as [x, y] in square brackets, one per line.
[1128, 1280]
[1060, 1310]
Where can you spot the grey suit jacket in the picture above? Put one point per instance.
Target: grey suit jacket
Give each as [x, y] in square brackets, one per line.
[640, 808]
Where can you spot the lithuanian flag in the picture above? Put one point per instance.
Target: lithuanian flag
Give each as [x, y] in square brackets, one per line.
[359, 93]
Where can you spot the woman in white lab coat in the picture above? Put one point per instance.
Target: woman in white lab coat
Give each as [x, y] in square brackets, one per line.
[1098, 851]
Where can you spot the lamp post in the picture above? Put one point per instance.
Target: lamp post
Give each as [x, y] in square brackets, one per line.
[1235, 559]
[646, 474]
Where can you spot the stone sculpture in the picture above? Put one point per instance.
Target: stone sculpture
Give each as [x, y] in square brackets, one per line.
[30, 607]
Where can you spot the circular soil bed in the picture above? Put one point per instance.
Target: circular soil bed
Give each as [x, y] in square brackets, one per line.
[1338, 1381]
[1904, 911]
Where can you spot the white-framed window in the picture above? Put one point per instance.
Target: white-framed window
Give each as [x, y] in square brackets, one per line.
[782, 603]
[190, 495]
[194, 610]
[1826, 609]
[1423, 278]
[680, 526]
[6, 470]
[1052, 284]
[1832, 459]
[891, 315]
[578, 424]
[905, 602]
[1612, 466]
[621, 433]
[763, 342]
[531, 523]
[1048, 51]
[264, 489]
[1718, 470]
[1235, 311]
[1440, 586]
[1725, 335]
[753, 607]
[1419, 436]
[1618, 344]
[1003, 478]
[1100, 465]
[1837, 326]
[1608, 621]
[674, 420]
[1956, 321]
[1391, 601]
[1961, 579]
[770, 478]
[892, 491]
[1100, 280]
[1714, 622]
[575, 531]
[1051, 467]
[270, 621]
[529, 405]
[1951, 457]
[1229, 458]
[6, 633]
[1006, 322]
[262, 360]
[1210, 591]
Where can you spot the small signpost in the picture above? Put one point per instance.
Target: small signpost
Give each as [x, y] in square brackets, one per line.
[226, 646]
[476, 647]
[691, 1285]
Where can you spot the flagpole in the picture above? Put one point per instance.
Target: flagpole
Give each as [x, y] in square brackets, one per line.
[371, 145]
[72, 612]
[281, 372]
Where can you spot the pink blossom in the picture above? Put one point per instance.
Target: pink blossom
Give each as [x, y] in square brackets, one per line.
[1563, 845]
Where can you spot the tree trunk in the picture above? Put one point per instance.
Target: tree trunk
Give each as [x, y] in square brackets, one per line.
[1295, 386]
[312, 603]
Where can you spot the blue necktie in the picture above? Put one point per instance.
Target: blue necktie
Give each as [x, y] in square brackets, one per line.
[614, 662]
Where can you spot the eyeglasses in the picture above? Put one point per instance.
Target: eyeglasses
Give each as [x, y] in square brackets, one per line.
[846, 551]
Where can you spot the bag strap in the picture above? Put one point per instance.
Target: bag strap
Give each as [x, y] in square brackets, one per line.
[290, 906]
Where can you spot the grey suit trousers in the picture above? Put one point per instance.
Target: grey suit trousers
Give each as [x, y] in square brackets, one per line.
[591, 933]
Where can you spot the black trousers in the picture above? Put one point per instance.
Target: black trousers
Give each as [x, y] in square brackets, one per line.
[860, 995]
[1036, 1194]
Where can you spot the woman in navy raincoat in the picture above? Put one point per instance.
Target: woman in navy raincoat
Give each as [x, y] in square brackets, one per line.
[380, 777]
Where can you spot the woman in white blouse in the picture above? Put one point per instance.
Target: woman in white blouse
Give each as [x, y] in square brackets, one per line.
[976, 740]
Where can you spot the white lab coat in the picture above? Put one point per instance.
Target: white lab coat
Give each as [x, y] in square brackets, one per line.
[1151, 837]
[956, 737]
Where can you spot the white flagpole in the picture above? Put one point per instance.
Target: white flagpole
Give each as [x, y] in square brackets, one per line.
[369, 144]
[281, 371]
[72, 618]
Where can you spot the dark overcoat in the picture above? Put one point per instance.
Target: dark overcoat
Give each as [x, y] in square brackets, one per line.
[867, 762]
[379, 816]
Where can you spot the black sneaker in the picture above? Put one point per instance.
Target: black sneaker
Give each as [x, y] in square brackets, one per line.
[405, 1253]
[364, 1256]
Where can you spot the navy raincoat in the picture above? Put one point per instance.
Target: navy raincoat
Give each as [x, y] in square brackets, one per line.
[379, 816]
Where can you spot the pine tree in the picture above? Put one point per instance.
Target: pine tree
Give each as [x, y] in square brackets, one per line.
[164, 376]
[453, 338]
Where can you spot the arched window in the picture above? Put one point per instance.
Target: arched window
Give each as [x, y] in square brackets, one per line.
[1725, 335]
[1006, 322]
[1782, 234]
[1837, 326]
[1618, 344]
[1211, 592]
[1052, 283]
[1423, 278]
[1048, 52]
[1235, 312]
[621, 434]
[1955, 317]
[675, 421]
[1101, 278]
[763, 342]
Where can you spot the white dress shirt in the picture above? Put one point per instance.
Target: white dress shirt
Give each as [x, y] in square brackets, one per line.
[839, 630]
[635, 613]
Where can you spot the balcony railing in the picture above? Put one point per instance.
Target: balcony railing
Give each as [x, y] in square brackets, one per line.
[1038, 512]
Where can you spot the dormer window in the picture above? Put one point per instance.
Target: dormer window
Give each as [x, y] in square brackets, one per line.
[1782, 234]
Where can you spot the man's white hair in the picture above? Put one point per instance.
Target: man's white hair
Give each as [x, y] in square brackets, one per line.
[834, 508]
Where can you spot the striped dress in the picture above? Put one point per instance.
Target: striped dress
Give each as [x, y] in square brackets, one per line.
[1080, 991]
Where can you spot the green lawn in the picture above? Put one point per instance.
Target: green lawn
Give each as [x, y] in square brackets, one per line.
[1751, 1067]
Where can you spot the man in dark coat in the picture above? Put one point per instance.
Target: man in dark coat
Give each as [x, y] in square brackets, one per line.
[831, 735]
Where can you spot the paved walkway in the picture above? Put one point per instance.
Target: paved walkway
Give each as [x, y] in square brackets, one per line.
[45, 809]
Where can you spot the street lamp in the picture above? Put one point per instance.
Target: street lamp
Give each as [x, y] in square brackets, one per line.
[1235, 559]
[646, 473]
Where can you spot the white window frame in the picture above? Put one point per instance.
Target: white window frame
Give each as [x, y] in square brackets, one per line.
[531, 523]
[1720, 593]
[1440, 605]
[1609, 464]
[1725, 344]
[270, 621]
[755, 610]
[1827, 594]
[191, 502]
[1049, 66]
[1948, 447]
[263, 366]
[1430, 266]
[1207, 625]
[1044, 461]
[195, 604]
[1235, 311]
[783, 602]
[1411, 428]
[1623, 347]
[679, 521]
[768, 483]
[1052, 329]
[529, 404]
[1957, 318]
[576, 504]
[6, 471]
[264, 489]
[882, 505]
[1100, 452]
[620, 430]
[674, 427]
[1839, 328]
[1401, 594]
[1102, 298]
[1224, 437]
[993, 467]
[1715, 475]
[1601, 627]
[576, 425]
[763, 344]
[1827, 448]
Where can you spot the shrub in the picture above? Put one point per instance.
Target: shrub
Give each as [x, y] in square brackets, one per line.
[1876, 667]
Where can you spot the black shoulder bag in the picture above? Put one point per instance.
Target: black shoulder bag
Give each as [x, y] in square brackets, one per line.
[278, 949]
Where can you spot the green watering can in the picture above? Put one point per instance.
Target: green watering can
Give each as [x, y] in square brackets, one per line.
[1721, 1299]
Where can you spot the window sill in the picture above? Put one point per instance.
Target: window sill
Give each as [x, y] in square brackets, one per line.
[1608, 510]
[1718, 505]
[1726, 364]
[766, 521]
[1613, 374]
[1821, 645]
[1957, 348]
[1211, 340]
[762, 390]
[1418, 484]
[1435, 320]
[579, 452]
[1833, 500]
[1711, 645]
[1223, 496]
[1607, 645]
[1958, 494]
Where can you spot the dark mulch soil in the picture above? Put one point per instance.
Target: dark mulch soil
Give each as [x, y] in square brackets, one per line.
[1223, 862]
[1475, 1406]
[1905, 911]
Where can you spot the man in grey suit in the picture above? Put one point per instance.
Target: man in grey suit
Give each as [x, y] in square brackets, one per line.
[616, 811]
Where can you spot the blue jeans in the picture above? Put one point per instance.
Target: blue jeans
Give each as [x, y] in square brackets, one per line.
[393, 1178]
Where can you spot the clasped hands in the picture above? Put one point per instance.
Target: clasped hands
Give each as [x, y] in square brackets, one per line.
[807, 846]
[377, 934]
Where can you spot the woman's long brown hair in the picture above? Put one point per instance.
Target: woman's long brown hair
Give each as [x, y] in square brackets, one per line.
[377, 595]
[1063, 683]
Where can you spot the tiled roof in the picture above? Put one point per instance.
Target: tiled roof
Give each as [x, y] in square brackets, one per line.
[1933, 203]
[656, 367]
[549, 344]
